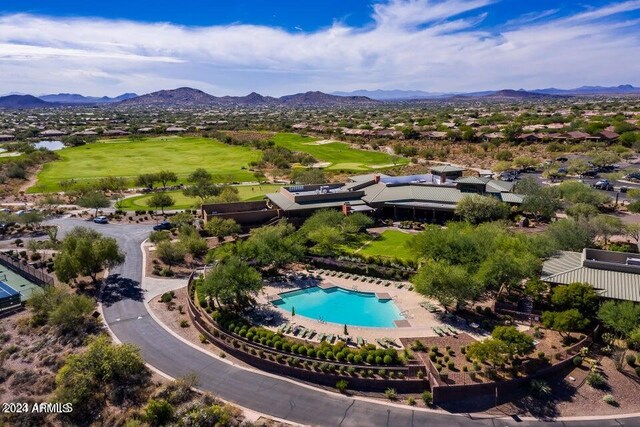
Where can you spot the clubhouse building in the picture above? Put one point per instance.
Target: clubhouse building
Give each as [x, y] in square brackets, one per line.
[430, 197]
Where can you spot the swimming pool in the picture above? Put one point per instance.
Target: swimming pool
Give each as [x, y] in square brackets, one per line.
[337, 305]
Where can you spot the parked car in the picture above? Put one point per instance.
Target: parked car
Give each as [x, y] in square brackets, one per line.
[164, 225]
[101, 219]
[633, 176]
[603, 184]
[592, 173]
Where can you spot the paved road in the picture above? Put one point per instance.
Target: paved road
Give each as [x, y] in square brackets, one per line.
[129, 320]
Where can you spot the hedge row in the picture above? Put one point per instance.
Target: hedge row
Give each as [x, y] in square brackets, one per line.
[339, 352]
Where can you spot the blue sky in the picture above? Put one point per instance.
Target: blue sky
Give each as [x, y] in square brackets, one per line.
[277, 47]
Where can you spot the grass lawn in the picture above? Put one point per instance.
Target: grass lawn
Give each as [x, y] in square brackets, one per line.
[390, 244]
[125, 158]
[246, 192]
[340, 155]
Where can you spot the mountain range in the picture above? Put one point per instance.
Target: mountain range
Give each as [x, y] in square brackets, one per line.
[188, 97]
[398, 95]
[185, 96]
[74, 98]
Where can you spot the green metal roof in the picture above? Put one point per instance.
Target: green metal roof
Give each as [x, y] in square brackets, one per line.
[512, 198]
[566, 268]
[287, 204]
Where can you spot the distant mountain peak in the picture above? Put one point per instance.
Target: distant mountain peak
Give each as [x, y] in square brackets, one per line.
[75, 98]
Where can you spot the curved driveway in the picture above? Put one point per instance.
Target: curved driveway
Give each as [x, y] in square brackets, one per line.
[126, 315]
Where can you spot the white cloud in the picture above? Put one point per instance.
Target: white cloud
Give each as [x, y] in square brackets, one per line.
[419, 44]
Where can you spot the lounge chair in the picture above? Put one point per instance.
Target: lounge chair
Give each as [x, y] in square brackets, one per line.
[289, 329]
[360, 341]
[282, 328]
[381, 343]
[437, 331]
[312, 332]
[399, 286]
[452, 330]
[321, 337]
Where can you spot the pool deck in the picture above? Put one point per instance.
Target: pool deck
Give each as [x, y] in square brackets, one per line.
[418, 321]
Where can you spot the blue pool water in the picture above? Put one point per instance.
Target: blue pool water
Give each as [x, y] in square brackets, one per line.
[337, 305]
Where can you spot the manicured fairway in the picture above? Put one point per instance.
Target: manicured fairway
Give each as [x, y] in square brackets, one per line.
[390, 244]
[246, 192]
[340, 155]
[125, 158]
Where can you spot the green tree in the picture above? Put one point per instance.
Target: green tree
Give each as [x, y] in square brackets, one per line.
[308, 176]
[570, 235]
[584, 211]
[606, 226]
[103, 373]
[165, 177]
[44, 301]
[220, 227]
[449, 284]
[577, 192]
[512, 131]
[202, 185]
[232, 281]
[603, 158]
[355, 223]
[147, 180]
[327, 239]
[477, 209]
[491, 350]
[73, 315]
[621, 317]
[181, 219]
[272, 246]
[93, 200]
[506, 269]
[86, 252]
[160, 200]
[564, 321]
[517, 343]
[580, 296]
[170, 253]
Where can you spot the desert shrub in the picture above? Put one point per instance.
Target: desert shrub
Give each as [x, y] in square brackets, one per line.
[417, 345]
[166, 297]
[342, 385]
[427, 397]
[391, 394]
[411, 401]
[577, 361]
[596, 380]
[631, 359]
[158, 412]
[539, 388]
[608, 398]
[184, 323]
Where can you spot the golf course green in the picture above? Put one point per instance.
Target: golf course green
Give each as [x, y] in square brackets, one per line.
[339, 155]
[123, 157]
[126, 158]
